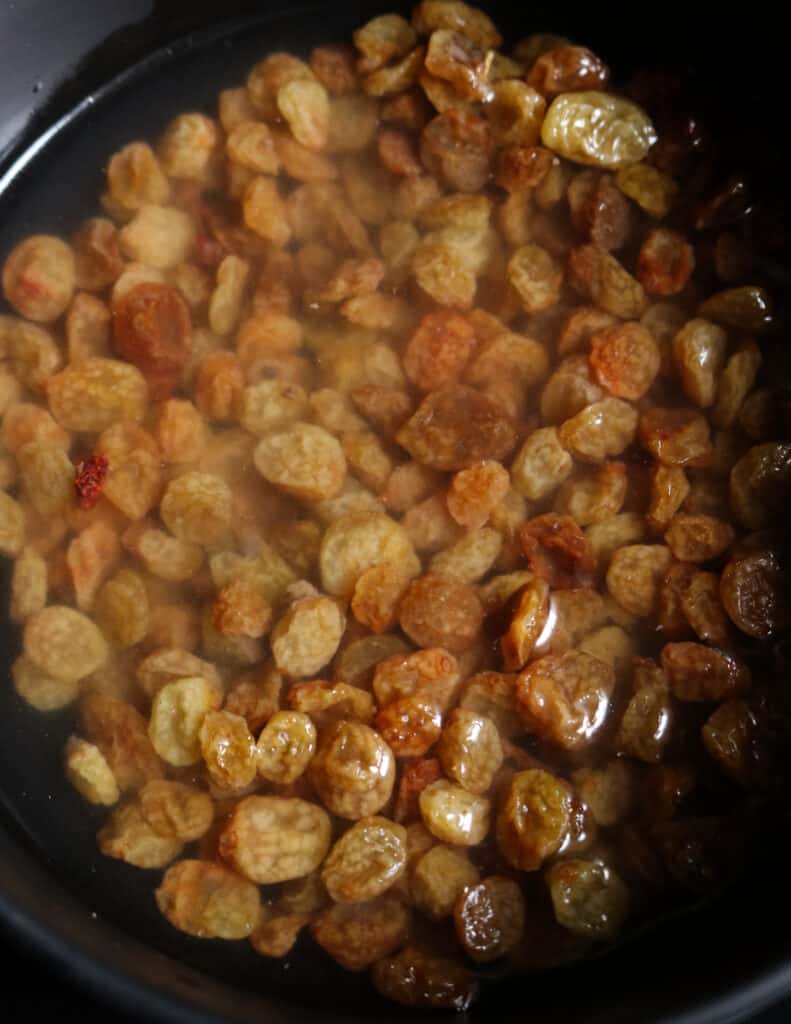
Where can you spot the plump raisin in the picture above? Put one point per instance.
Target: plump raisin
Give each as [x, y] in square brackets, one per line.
[490, 918]
[437, 352]
[470, 751]
[365, 861]
[353, 770]
[752, 592]
[588, 898]
[441, 611]
[625, 360]
[415, 978]
[665, 262]
[557, 550]
[153, 330]
[565, 697]
[458, 146]
[535, 818]
[700, 673]
[597, 128]
[675, 437]
[453, 814]
[456, 427]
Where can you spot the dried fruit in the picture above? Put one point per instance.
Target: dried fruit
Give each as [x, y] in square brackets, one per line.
[358, 934]
[453, 814]
[438, 351]
[490, 918]
[599, 210]
[471, 557]
[272, 839]
[152, 329]
[653, 190]
[588, 898]
[420, 385]
[120, 733]
[557, 550]
[358, 541]
[731, 738]
[759, 484]
[28, 585]
[598, 275]
[515, 111]
[228, 750]
[285, 747]
[454, 58]
[64, 643]
[414, 778]
[97, 258]
[700, 673]
[608, 791]
[536, 276]
[734, 385]
[634, 576]
[752, 593]
[602, 430]
[535, 818]
[94, 393]
[748, 309]
[128, 836]
[458, 146]
[415, 978]
[675, 437]
[175, 810]
[196, 508]
[625, 360]
[469, 750]
[665, 262]
[39, 689]
[567, 69]
[565, 697]
[597, 128]
[456, 427]
[208, 901]
[353, 770]
[698, 538]
[699, 352]
[12, 526]
[365, 861]
[410, 725]
[303, 460]
[433, 673]
[39, 277]
[527, 623]
[645, 728]
[177, 714]
[90, 774]
[541, 465]
[457, 625]
[307, 636]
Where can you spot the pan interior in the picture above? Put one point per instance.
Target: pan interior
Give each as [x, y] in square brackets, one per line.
[51, 188]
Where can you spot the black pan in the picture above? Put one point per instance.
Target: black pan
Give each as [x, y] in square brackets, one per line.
[78, 79]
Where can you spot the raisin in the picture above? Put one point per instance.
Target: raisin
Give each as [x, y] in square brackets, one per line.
[153, 330]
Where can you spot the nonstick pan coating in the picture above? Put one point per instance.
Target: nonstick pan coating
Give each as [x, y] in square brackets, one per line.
[97, 917]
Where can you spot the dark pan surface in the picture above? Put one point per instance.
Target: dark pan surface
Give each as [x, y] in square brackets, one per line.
[51, 870]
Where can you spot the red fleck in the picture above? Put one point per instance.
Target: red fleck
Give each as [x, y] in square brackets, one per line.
[89, 481]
